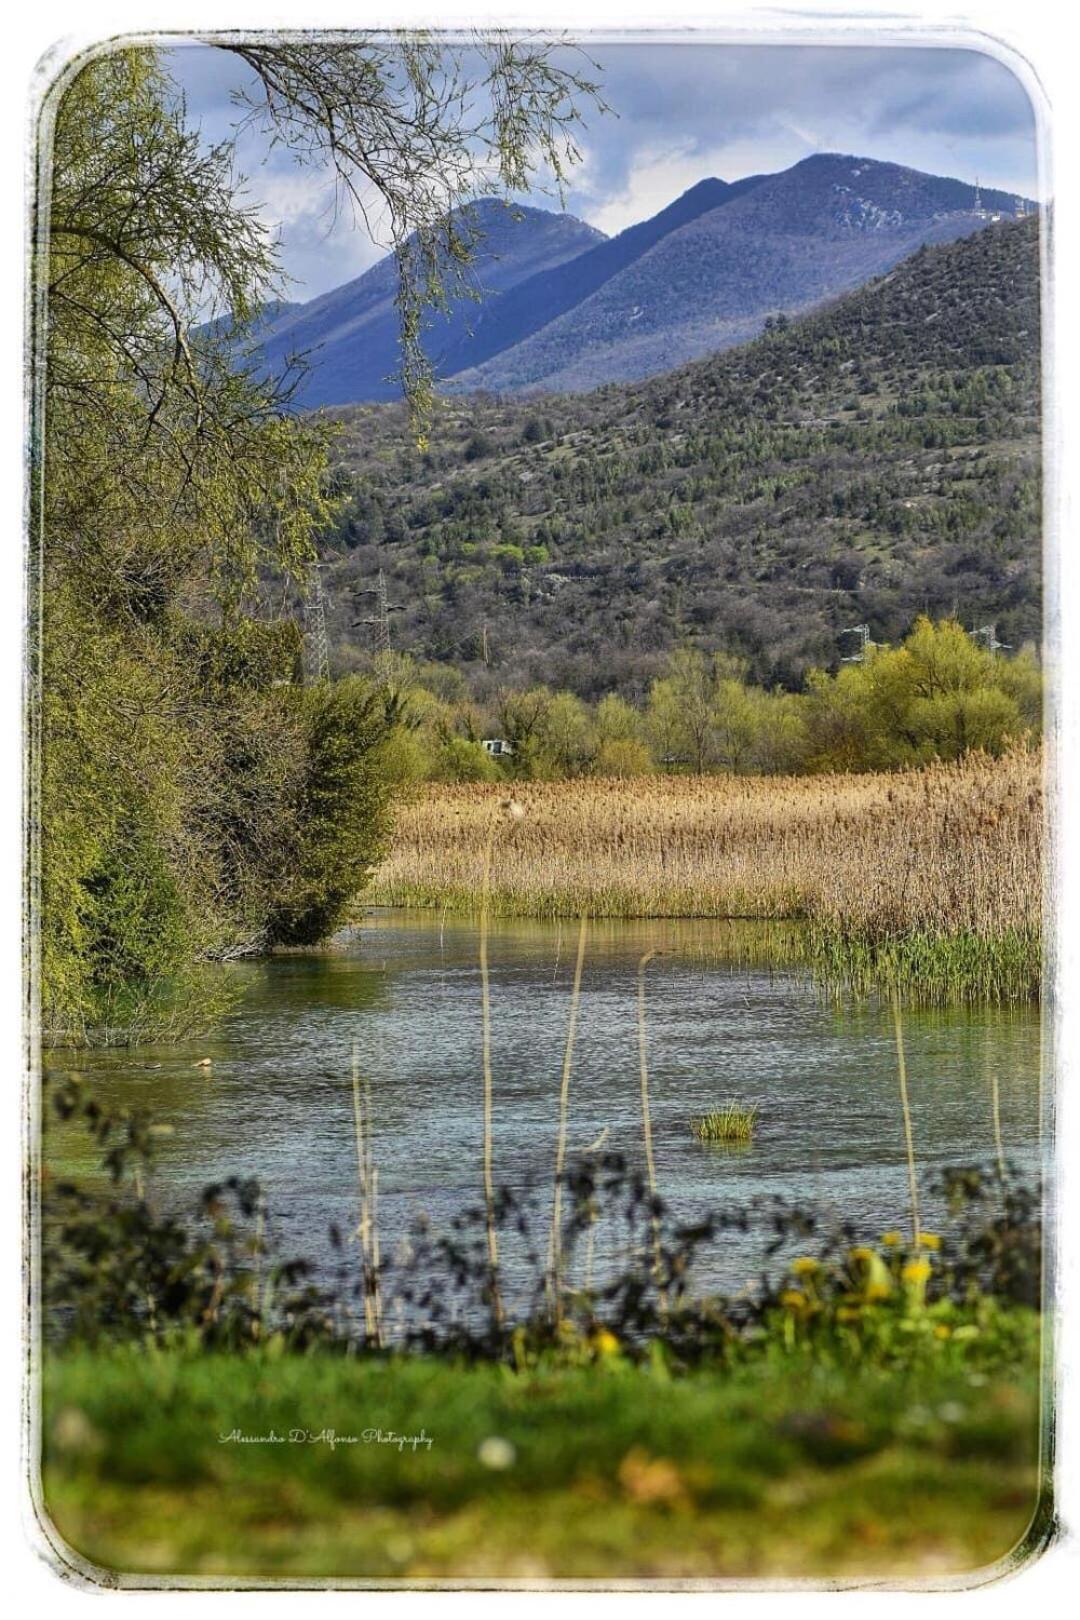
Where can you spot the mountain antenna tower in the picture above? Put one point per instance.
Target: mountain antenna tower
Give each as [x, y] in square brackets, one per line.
[315, 616]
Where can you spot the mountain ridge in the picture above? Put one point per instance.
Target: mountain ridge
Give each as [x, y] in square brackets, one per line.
[783, 244]
[566, 309]
[352, 330]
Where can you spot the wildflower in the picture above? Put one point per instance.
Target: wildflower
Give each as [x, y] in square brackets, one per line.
[929, 1240]
[847, 1313]
[890, 1239]
[605, 1343]
[496, 1453]
[943, 1331]
[915, 1276]
[793, 1299]
[805, 1266]
[876, 1281]
[650, 1479]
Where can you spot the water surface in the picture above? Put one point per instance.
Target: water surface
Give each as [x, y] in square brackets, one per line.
[405, 989]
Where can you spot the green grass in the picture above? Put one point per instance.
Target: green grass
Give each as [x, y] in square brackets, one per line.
[931, 970]
[782, 1467]
[731, 1122]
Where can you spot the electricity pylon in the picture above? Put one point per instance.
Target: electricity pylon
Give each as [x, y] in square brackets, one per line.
[315, 616]
[988, 634]
[863, 633]
[380, 619]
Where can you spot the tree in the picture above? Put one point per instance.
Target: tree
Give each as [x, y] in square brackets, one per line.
[180, 769]
[680, 714]
[567, 740]
[937, 696]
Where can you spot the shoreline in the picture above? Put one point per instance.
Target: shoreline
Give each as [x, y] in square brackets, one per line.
[928, 881]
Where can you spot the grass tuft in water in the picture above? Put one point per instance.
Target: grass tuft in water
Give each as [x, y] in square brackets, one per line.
[731, 1122]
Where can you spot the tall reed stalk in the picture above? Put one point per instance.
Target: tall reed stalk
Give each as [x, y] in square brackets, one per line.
[901, 1062]
[555, 1242]
[995, 1108]
[368, 1229]
[646, 1117]
[485, 1023]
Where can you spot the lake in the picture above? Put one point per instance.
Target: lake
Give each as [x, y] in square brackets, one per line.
[404, 988]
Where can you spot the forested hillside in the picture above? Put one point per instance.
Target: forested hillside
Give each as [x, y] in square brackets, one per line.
[877, 460]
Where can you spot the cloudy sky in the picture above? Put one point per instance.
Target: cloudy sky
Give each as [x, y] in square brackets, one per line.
[685, 111]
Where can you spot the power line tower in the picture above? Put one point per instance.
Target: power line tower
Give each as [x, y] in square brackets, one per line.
[379, 621]
[978, 197]
[987, 634]
[315, 617]
[863, 633]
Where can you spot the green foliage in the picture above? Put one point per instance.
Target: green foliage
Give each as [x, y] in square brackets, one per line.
[460, 760]
[192, 800]
[939, 695]
[172, 483]
[342, 817]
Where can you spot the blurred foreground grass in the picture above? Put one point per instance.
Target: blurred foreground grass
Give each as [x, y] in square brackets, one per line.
[782, 1467]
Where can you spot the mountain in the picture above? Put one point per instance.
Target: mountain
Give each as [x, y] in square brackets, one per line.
[532, 304]
[350, 334]
[781, 243]
[566, 309]
[866, 463]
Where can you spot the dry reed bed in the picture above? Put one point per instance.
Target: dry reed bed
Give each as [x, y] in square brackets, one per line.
[949, 848]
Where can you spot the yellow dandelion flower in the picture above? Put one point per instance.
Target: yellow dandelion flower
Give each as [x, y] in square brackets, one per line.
[862, 1253]
[929, 1240]
[805, 1266]
[793, 1298]
[891, 1240]
[605, 1343]
[916, 1271]
[876, 1291]
[943, 1331]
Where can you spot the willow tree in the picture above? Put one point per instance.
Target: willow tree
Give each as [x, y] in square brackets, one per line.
[183, 776]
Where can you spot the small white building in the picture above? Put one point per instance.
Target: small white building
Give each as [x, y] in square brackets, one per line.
[497, 747]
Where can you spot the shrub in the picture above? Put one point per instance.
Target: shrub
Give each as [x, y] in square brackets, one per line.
[343, 814]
